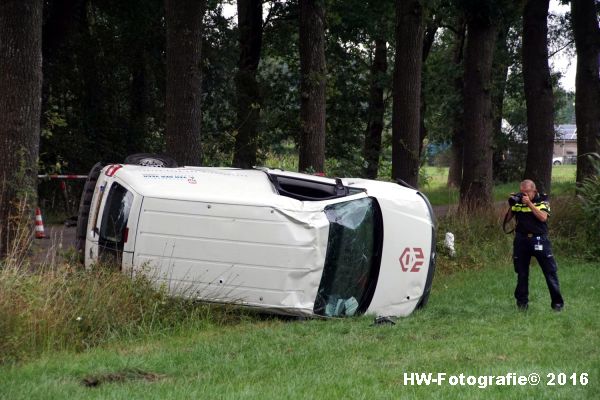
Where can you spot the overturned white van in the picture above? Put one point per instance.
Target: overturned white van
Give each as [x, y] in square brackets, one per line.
[280, 241]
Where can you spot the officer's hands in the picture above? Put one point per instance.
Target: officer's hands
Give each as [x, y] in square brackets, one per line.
[527, 200]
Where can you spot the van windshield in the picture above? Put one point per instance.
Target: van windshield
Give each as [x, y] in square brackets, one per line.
[115, 217]
[353, 258]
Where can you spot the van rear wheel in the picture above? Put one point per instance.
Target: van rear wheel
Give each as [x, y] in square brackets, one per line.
[151, 160]
[84, 209]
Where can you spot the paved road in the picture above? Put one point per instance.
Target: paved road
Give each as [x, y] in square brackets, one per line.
[61, 241]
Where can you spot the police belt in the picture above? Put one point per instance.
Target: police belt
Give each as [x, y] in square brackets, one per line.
[530, 235]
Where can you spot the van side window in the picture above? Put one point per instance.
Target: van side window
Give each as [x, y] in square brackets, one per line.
[115, 216]
[353, 258]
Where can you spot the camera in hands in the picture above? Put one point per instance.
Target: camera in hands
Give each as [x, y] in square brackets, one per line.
[515, 198]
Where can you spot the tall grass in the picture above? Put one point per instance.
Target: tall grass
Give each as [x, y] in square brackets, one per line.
[68, 308]
[479, 241]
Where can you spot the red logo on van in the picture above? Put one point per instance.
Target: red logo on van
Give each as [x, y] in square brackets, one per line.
[412, 259]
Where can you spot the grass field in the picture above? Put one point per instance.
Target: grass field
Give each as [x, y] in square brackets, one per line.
[470, 326]
[563, 181]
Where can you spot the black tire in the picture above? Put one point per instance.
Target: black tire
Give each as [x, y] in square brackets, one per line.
[556, 162]
[84, 209]
[151, 160]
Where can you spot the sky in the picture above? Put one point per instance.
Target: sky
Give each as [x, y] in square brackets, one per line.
[561, 61]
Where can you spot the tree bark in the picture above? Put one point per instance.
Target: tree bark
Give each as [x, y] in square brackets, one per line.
[372, 147]
[538, 94]
[500, 65]
[248, 96]
[139, 103]
[428, 39]
[458, 131]
[20, 107]
[587, 84]
[407, 91]
[184, 79]
[476, 185]
[312, 85]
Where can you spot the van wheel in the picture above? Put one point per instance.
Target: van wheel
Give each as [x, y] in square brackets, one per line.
[556, 162]
[84, 209]
[151, 160]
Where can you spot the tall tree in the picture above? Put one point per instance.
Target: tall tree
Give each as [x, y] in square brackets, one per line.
[184, 79]
[372, 146]
[506, 54]
[248, 98]
[476, 185]
[431, 28]
[312, 85]
[538, 94]
[407, 91]
[457, 140]
[587, 83]
[20, 105]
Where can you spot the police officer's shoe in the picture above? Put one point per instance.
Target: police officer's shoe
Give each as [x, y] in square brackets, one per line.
[557, 307]
[522, 306]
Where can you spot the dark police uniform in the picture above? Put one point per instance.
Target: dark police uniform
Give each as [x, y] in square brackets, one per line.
[531, 239]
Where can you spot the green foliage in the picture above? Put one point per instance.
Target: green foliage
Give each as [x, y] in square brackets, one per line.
[442, 100]
[589, 194]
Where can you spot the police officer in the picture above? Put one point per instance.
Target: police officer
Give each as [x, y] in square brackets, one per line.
[531, 211]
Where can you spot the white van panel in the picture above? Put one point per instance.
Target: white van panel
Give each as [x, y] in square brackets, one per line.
[233, 253]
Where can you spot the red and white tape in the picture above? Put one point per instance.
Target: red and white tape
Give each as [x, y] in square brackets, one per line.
[62, 176]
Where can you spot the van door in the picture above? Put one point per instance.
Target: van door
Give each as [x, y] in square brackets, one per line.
[112, 229]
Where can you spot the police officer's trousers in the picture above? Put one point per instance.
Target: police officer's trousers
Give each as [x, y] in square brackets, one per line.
[523, 250]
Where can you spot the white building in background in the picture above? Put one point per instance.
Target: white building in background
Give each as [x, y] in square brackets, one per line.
[565, 144]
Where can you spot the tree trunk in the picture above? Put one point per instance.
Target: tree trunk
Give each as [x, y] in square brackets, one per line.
[428, 39]
[372, 147]
[312, 86]
[587, 84]
[407, 91]
[476, 185]
[20, 106]
[538, 94]
[184, 79]
[458, 131]
[500, 65]
[248, 96]
[139, 103]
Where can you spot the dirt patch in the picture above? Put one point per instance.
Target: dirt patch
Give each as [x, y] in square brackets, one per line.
[120, 377]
